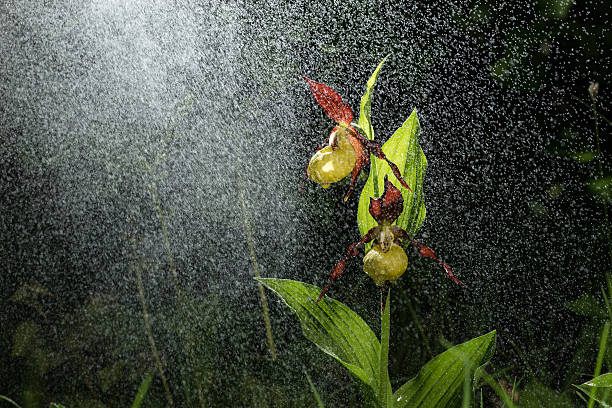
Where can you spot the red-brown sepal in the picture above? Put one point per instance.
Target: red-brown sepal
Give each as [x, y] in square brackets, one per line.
[331, 102]
[387, 208]
[352, 251]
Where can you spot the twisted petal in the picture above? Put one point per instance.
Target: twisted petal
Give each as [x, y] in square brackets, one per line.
[427, 252]
[352, 251]
[374, 148]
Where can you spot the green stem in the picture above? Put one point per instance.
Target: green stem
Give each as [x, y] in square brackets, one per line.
[167, 136]
[596, 116]
[608, 121]
[314, 391]
[522, 356]
[608, 296]
[600, 168]
[498, 390]
[162, 222]
[262, 293]
[145, 315]
[10, 401]
[384, 391]
[180, 294]
[600, 356]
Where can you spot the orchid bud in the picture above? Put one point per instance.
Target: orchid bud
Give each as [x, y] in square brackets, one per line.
[593, 90]
[384, 266]
[332, 164]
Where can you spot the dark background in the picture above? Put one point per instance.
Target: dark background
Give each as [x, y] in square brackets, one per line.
[500, 88]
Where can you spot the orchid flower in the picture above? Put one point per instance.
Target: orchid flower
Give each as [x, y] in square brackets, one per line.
[386, 261]
[347, 150]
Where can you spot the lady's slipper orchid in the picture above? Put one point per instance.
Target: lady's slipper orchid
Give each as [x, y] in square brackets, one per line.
[386, 261]
[347, 150]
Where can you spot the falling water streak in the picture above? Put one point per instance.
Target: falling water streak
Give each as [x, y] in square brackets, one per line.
[419, 327]
[179, 293]
[314, 391]
[145, 315]
[596, 115]
[262, 293]
[238, 123]
[162, 222]
[170, 135]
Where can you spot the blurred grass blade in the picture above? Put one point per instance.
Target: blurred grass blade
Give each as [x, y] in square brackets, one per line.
[440, 382]
[404, 150]
[600, 388]
[603, 341]
[262, 292]
[481, 376]
[10, 401]
[365, 111]
[332, 326]
[314, 391]
[142, 390]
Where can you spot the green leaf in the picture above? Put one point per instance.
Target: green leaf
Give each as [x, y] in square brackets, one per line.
[25, 339]
[142, 390]
[404, 150]
[30, 295]
[602, 187]
[110, 375]
[365, 120]
[332, 326]
[587, 305]
[555, 8]
[536, 395]
[584, 157]
[440, 382]
[600, 387]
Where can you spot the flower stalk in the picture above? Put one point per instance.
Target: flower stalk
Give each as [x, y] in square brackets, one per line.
[385, 392]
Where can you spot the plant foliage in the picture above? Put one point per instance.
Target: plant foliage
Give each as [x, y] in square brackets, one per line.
[341, 333]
